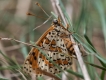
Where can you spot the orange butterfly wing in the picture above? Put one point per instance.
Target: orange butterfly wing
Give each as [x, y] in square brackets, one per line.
[55, 45]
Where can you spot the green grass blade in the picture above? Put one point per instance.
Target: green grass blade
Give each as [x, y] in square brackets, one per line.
[9, 67]
[101, 10]
[3, 79]
[94, 65]
[97, 76]
[75, 73]
[103, 75]
[90, 48]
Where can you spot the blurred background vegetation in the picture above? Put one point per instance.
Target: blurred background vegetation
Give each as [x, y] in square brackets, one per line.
[88, 18]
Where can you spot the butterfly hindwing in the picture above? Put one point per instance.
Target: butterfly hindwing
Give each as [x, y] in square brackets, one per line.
[54, 46]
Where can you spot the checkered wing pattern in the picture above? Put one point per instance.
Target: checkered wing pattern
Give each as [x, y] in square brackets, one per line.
[54, 45]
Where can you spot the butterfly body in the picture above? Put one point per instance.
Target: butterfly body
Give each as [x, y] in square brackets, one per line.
[54, 45]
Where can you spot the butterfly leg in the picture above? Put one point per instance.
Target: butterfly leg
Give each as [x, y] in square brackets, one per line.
[67, 26]
[83, 51]
[81, 48]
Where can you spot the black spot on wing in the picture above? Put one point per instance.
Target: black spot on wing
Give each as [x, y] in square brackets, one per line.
[49, 33]
[30, 62]
[34, 57]
[57, 30]
[33, 53]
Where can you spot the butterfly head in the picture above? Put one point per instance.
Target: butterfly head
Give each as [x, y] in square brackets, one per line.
[60, 29]
[55, 22]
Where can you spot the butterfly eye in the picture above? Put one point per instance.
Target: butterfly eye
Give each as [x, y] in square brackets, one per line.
[55, 21]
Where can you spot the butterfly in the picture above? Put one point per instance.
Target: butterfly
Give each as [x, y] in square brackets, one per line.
[54, 42]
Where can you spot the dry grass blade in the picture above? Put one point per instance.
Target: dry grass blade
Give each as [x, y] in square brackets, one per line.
[80, 60]
[56, 6]
[22, 75]
[10, 39]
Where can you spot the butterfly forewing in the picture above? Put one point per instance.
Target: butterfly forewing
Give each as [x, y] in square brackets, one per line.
[54, 46]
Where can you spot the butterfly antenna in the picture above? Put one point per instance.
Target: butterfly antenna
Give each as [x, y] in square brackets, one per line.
[31, 14]
[43, 22]
[41, 8]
